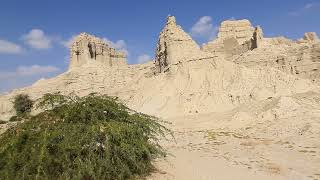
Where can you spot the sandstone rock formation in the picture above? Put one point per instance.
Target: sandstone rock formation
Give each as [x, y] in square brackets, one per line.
[299, 58]
[309, 37]
[235, 37]
[196, 79]
[89, 49]
[242, 30]
[239, 42]
[175, 46]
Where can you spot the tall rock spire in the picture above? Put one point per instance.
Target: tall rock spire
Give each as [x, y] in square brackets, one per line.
[175, 46]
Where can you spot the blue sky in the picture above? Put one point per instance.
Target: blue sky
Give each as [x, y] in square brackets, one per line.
[33, 33]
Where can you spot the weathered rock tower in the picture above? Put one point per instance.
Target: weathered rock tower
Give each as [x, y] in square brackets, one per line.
[175, 46]
[90, 49]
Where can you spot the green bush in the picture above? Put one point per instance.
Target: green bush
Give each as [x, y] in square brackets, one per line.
[93, 137]
[22, 104]
[14, 119]
[3, 122]
[20, 117]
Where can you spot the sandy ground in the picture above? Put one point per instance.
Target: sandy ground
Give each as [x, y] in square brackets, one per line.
[208, 150]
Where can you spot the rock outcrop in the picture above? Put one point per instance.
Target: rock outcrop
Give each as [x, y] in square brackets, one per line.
[242, 30]
[310, 37]
[239, 42]
[89, 49]
[175, 46]
[234, 37]
[300, 58]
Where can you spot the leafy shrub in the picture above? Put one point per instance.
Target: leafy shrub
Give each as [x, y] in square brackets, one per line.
[14, 118]
[3, 122]
[50, 101]
[19, 118]
[93, 137]
[22, 104]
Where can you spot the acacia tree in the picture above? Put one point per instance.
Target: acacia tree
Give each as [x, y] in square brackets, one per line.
[22, 104]
[92, 137]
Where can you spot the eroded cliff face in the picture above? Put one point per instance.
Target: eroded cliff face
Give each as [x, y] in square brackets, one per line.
[90, 49]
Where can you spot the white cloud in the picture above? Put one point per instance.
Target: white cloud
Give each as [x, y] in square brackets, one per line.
[204, 28]
[7, 47]
[309, 5]
[35, 70]
[25, 75]
[144, 58]
[294, 13]
[306, 8]
[119, 45]
[23, 71]
[37, 39]
[68, 43]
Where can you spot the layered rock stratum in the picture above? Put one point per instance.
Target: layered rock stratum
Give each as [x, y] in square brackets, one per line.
[242, 103]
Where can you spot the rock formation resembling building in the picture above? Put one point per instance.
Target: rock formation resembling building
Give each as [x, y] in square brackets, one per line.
[241, 30]
[234, 37]
[89, 49]
[240, 42]
[237, 41]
